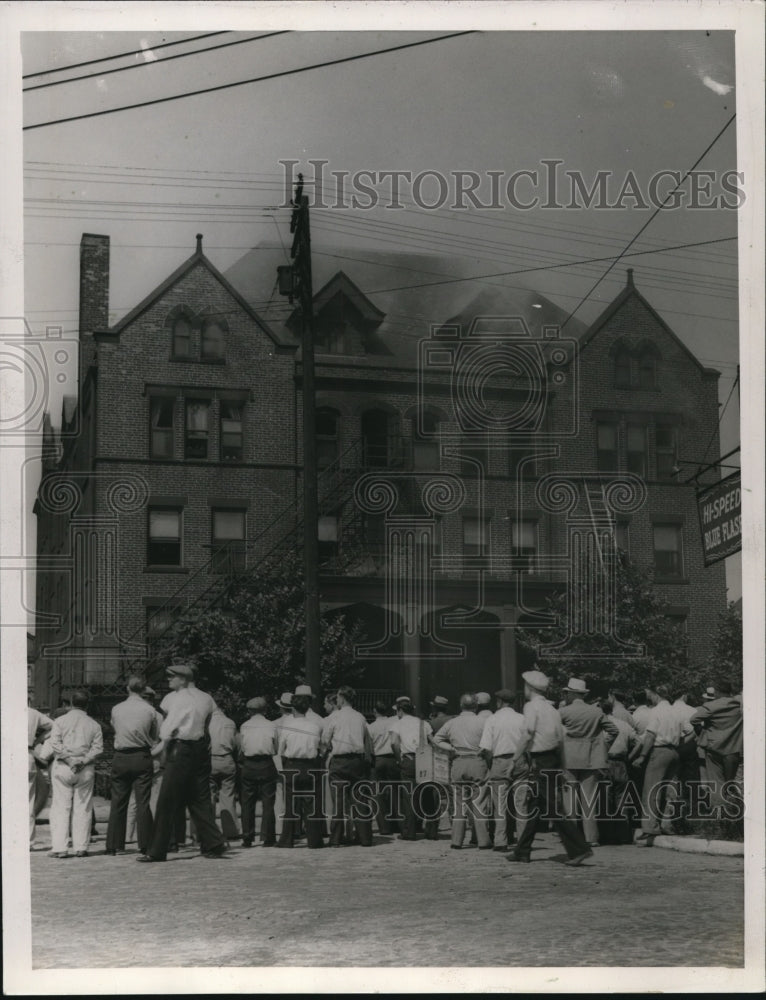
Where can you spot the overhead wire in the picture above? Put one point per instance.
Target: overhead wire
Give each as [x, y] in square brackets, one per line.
[122, 55]
[256, 79]
[152, 62]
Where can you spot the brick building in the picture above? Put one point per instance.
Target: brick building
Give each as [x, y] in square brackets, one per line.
[441, 471]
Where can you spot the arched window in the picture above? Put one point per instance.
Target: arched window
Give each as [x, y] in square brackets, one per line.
[212, 343]
[622, 369]
[182, 333]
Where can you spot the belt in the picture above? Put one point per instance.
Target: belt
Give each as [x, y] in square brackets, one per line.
[501, 756]
[665, 746]
[298, 760]
[382, 756]
[259, 756]
[408, 756]
[467, 754]
[337, 756]
[132, 749]
[542, 753]
[177, 739]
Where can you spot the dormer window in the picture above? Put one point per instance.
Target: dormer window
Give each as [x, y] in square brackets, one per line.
[182, 334]
[212, 341]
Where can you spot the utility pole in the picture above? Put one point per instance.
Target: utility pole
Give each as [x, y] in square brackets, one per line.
[295, 281]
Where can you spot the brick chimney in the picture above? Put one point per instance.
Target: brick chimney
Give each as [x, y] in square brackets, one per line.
[94, 284]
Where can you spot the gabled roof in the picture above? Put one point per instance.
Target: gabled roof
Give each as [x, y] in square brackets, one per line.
[628, 292]
[342, 284]
[198, 258]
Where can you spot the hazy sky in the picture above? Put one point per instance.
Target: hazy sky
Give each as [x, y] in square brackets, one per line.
[153, 177]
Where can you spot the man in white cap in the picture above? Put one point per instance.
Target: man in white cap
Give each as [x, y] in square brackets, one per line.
[461, 736]
[186, 781]
[544, 736]
[483, 705]
[439, 715]
[258, 746]
[583, 755]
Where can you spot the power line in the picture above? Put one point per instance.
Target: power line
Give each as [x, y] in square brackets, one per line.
[255, 79]
[651, 218]
[154, 62]
[550, 267]
[123, 55]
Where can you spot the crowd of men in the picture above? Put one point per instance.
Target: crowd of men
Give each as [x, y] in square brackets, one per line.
[588, 767]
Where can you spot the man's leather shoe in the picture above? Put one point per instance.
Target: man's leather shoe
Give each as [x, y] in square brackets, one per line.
[578, 859]
[215, 852]
[148, 859]
[81, 854]
[523, 859]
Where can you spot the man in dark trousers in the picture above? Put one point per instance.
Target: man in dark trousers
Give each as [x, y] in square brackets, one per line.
[186, 781]
[543, 740]
[347, 737]
[136, 731]
[298, 746]
[719, 725]
[258, 745]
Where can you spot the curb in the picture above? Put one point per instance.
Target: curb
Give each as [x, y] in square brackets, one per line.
[694, 845]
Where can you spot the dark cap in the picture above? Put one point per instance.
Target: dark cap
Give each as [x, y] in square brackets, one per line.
[505, 694]
[180, 670]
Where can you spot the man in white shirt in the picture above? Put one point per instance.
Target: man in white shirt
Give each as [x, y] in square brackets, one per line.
[186, 781]
[348, 739]
[543, 741]
[406, 732]
[38, 727]
[385, 771]
[662, 739]
[503, 733]
[298, 746]
[76, 741]
[461, 736]
[257, 746]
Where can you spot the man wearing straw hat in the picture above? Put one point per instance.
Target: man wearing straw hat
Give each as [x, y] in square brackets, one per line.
[544, 735]
[583, 756]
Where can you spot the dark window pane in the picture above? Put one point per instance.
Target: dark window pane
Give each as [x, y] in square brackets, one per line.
[636, 449]
[606, 447]
[622, 370]
[231, 432]
[212, 340]
[164, 538]
[666, 451]
[646, 372]
[181, 338]
[667, 550]
[162, 411]
[197, 414]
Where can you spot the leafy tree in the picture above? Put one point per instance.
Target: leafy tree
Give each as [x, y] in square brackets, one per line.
[642, 617]
[255, 643]
[725, 660]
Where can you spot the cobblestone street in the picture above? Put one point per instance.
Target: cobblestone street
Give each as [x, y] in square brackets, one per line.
[410, 904]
